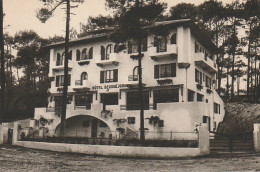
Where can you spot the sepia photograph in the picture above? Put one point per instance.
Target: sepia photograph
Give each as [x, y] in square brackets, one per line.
[129, 85]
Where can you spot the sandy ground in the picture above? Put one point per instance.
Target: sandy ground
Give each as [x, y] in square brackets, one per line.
[22, 159]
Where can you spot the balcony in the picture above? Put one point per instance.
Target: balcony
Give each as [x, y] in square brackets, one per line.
[110, 59]
[82, 86]
[157, 53]
[60, 66]
[205, 62]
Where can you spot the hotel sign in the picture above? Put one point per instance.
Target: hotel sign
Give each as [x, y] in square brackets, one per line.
[107, 87]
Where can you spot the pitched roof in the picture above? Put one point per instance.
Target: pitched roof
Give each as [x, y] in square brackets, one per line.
[199, 34]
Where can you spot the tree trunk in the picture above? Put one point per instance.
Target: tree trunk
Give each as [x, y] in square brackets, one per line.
[2, 95]
[248, 66]
[65, 87]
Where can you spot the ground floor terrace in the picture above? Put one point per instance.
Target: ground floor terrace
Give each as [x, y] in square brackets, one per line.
[167, 112]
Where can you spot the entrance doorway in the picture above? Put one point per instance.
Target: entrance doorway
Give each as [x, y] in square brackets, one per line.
[94, 128]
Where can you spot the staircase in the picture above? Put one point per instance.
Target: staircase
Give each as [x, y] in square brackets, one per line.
[231, 144]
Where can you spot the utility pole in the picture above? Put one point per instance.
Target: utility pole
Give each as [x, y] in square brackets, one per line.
[65, 84]
[2, 95]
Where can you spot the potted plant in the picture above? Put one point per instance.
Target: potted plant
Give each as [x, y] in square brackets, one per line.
[166, 81]
[105, 113]
[199, 86]
[209, 91]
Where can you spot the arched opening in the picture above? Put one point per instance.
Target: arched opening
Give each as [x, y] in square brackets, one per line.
[84, 76]
[84, 54]
[85, 126]
[90, 53]
[78, 55]
[174, 38]
[108, 51]
[135, 73]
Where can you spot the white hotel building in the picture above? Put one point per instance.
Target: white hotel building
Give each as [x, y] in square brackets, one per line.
[179, 78]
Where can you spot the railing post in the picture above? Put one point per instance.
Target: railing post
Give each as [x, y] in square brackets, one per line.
[171, 135]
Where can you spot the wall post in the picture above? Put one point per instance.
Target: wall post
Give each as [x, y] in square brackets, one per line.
[1, 134]
[256, 137]
[15, 133]
[203, 139]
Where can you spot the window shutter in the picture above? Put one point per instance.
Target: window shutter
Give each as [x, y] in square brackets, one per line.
[102, 76]
[156, 71]
[200, 78]
[90, 53]
[129, 47]
[69, 79]
[102, 52]
[173, 69]
[115, 73]
[57, 81]
[70, 55]
[78, 55]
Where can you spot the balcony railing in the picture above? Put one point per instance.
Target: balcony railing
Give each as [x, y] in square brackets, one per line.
[109, 59]
[205, 61]
[133, 78]
[167, 50]
[135, 107]
[78, 82]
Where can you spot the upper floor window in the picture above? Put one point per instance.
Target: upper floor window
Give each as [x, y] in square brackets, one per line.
[198, 76]
[59, 60]
[133, 46]
[208, 82]
[200, 97]
[109, 76]
[160, 42]
[216, 108]
[174, 38]
[165, 70]
[85, 54]
[197, 47]
[106, 51]
[60, 80]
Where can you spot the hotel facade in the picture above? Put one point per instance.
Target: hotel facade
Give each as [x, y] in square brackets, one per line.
[179, 80]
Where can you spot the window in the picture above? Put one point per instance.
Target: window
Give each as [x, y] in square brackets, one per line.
[208, 82]
[134, 77]
[217, 108]
[165, 70]
[161, 43]
[131, 120]
[59, 61]
[133, 101]
[161, 123]
[84, 100]
[198, 76]
[60, 80]
[78, 55]
[173, 38]
[84, 76]
[197, 47]
[133, 46]
[191, 95]
[109, 76]
[166, 96]
[90, 53]
[70, 55]
[84, 54]
[200, 97]
[109, 99]
[108, 51]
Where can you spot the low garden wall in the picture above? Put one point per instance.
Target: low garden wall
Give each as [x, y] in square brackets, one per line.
[122, 151]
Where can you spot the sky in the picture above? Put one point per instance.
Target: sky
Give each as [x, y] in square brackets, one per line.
[21, 15]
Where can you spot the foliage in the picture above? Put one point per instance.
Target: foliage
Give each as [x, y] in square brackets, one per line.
[199, 86]
[105, 113]
[119, 121]
[166, 81]
[209, 91]
[153, 120]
